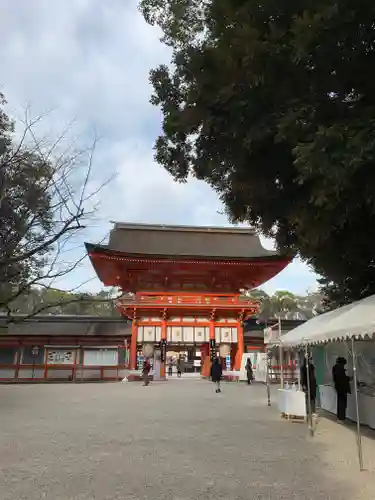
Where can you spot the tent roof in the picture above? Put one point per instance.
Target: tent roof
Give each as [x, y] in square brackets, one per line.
[353, 320]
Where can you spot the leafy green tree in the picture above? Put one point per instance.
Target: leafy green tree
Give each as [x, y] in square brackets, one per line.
[286, 305]
[271, 102]
[61, 302]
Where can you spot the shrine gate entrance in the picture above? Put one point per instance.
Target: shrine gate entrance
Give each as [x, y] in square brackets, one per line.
[183, 286]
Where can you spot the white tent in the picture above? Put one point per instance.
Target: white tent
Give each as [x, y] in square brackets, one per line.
[356, 320]
[353, 321]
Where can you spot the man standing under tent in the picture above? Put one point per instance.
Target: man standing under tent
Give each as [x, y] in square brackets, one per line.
[308, 382]
[342, 386]
[249, 371]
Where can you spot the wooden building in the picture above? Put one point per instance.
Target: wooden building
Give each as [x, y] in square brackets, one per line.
[63, 348]
[80, 348]
[182, 293]
[182, 286]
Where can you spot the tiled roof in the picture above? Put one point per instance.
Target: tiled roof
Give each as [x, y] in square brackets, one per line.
[186, 241]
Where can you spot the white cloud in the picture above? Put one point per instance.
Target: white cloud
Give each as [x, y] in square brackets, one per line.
[90, 60]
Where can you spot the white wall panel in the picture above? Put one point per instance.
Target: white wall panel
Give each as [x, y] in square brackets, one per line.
[176, 335]
[91, 374]
[200, 334]
[234, 335]
[217, 334]
[157, 333]
[188, 334]
[169, 334]
[140, 334]
[149, 333]
[60, 374]
[100, 357]
[28, 373]
[226, 335]
[109, 373]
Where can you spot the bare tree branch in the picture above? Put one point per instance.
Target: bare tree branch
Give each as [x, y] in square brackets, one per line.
[45, 202]
[11, 318]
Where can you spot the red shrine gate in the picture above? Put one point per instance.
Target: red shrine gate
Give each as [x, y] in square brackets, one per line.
[189, 320]
[182, 285]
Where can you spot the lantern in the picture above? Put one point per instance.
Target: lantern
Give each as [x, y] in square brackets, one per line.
[224, 350]
[148, 350]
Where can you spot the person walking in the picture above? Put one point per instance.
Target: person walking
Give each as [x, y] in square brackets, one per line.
[341, 382]
[312, 383]
[146, 372]
[249, 371]
[179, 367]
[216, 374]
[170, 367]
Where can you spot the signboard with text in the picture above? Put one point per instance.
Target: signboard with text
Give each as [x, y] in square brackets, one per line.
[212, 349]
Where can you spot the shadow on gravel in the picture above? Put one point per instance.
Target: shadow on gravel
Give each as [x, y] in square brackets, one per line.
[349, 424]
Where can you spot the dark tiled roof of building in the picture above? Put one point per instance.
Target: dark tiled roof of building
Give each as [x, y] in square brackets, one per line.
[185, 241]
[56, 325]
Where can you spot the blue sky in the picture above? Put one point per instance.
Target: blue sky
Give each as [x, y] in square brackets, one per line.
[88, 61]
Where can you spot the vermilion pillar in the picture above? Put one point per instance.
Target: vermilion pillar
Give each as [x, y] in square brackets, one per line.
[240, 347]
[133, 346]
[212, 329]
[233, 354]
[205, 353]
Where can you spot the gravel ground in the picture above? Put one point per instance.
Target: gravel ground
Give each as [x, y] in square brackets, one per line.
[176, 440]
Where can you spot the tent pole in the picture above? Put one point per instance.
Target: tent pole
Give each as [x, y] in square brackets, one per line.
[359, 438]
[309, 414]
[268, 378]
[281, 356]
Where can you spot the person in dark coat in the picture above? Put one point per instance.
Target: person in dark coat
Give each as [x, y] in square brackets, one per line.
[312, 383]
[179, 367]
[249, 371]
[216, 374]
[146, 372]
[341, 382]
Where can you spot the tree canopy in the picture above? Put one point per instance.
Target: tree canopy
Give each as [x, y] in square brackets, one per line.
[61, 302]
[271, 102]
[45, 202]
[283, 304]
[287, 305]
[26, 211]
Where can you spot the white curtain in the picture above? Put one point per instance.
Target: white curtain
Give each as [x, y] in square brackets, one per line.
[101, 357]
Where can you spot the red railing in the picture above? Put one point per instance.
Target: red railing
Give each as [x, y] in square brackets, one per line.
[198, 300]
